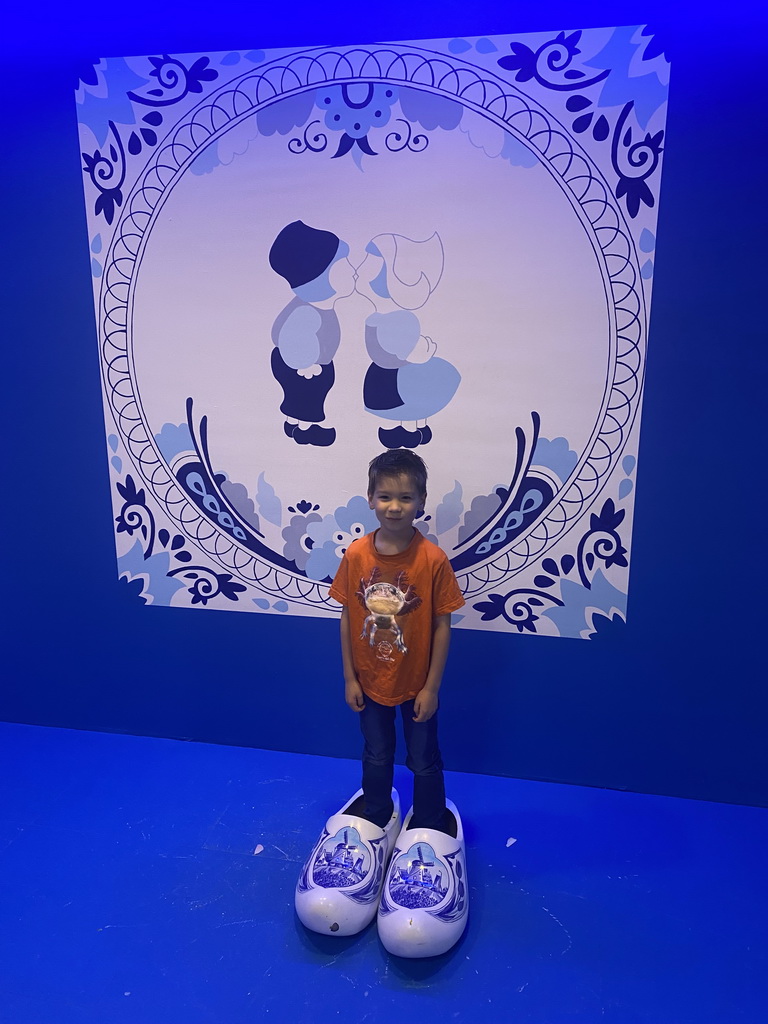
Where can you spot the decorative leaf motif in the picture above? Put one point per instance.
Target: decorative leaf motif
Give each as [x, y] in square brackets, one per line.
[105, 204]
[601, 129]
[492, 608]
[654, 47]
[202, 72]
[567, 562]
[128, 492]
[229, 589]
[543, 581]
[346, 142]
[582, 123]
[523, 62]
[619, 557]
[270, 506]
[577, 103]
[609, 517]
[550, 565]
[365, 145]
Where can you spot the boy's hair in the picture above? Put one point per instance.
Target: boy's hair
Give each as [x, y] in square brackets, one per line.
[397, 462]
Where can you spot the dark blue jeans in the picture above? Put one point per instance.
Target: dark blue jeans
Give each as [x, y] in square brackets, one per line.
[378, 726]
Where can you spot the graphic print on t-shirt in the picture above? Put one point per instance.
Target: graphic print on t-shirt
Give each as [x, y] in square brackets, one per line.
[384, 601]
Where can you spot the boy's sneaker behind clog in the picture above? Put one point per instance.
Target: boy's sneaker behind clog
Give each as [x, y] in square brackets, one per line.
[425, 899]
[339, 887]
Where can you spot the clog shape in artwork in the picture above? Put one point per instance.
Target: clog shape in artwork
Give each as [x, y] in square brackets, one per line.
[339, 887]
[425, 899]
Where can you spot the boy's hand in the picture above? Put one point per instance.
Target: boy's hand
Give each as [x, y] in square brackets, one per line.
[425, 705]
[353, 694]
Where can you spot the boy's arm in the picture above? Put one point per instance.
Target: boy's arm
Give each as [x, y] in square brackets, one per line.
[426, 701]
[353, 691]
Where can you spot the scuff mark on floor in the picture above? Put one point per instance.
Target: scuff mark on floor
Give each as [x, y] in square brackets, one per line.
[560, 923]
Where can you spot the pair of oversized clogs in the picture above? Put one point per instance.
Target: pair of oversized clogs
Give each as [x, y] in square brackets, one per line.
[415, 878]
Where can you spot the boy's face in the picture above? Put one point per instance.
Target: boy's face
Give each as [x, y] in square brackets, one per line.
[396, 500]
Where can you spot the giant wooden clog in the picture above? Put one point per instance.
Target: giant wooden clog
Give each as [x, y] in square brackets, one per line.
[425, 899]
[338, 890]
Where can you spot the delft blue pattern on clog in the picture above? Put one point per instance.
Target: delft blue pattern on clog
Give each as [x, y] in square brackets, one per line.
[343, 862]
[346, 868]
[424, 903]
[304, 884]
[417, 878]
[413, 885]
[456, 906]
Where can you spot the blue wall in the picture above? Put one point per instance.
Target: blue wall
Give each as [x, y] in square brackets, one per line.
[672, 703]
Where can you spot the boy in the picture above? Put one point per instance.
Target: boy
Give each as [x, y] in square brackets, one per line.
[398, 591]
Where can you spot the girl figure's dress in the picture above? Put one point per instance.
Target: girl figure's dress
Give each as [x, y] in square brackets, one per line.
[406, 382]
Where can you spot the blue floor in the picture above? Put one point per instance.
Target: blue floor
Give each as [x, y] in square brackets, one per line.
[146, 880]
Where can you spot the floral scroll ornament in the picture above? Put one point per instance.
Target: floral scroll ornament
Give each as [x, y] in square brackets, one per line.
[135, 515]
[136, 518]
[633, 160]
[206, 584]
[600, 543]
[550, 64]
[107, 169]
[175, 81]
[634, 163]
[355, 110]
[517, 607]
[107, 174]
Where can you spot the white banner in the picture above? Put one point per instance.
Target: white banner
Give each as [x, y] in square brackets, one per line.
[302, 257]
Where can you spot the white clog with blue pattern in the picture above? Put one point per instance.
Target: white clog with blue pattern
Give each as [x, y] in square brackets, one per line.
[425, 899]
[339, 887]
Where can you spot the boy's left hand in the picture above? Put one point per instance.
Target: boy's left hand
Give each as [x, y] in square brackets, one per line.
[425, 705]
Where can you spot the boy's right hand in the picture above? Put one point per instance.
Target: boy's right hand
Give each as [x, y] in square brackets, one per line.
[353, 694]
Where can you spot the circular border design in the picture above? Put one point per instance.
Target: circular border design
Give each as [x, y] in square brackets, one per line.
[479, 91]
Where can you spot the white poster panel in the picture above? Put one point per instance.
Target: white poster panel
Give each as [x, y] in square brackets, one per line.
[304, 256]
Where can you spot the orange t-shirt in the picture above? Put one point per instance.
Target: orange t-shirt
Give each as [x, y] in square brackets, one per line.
[393, 601]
